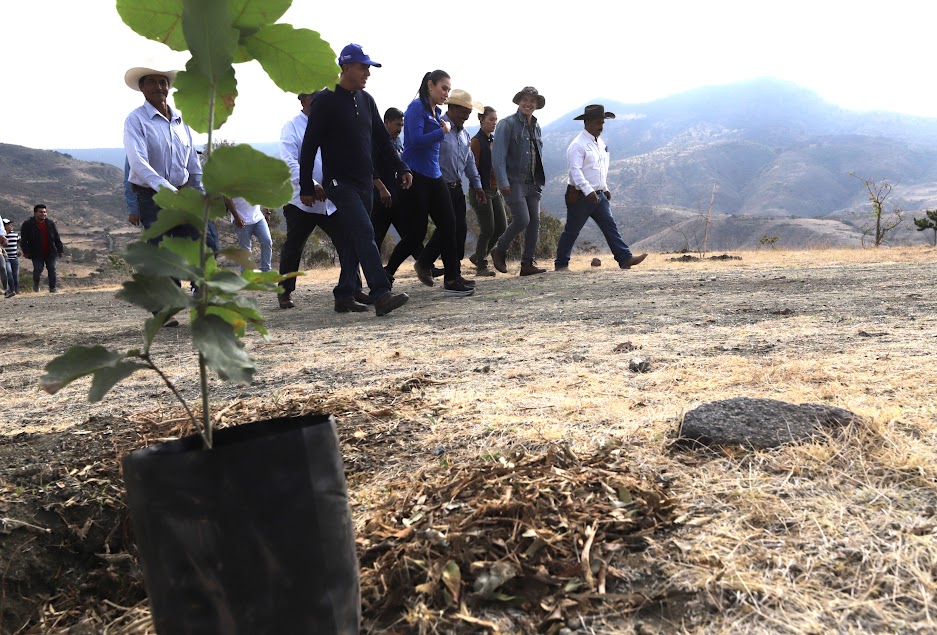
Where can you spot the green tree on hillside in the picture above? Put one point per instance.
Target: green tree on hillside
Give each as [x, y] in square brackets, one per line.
[928, 222]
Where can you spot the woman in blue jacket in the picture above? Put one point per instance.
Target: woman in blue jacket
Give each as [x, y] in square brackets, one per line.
[428, 196]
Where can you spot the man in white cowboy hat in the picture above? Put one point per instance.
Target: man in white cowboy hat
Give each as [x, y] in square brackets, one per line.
[587, 193]
[159, 149]
[517, 158]
[455, 161]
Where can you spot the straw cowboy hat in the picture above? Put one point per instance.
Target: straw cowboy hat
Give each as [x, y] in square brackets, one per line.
[133, 76]
[459, 97]
[530, 90]
[595, 111]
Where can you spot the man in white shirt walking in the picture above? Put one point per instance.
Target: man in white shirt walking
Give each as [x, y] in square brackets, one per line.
[249, 221]
[587, 194]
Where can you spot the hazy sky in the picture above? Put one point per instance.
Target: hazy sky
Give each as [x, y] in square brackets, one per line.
[64, 60]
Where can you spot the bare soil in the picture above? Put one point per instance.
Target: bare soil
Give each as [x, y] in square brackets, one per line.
[832, 536]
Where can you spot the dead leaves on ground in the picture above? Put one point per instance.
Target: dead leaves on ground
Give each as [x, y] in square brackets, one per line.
[541, 533]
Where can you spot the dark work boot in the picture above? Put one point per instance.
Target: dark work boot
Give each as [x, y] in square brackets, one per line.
[349, 305]
[497, 259]
[531, 268]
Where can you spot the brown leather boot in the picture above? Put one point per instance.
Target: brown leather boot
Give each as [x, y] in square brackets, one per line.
[481, 269]
[531, 268]
[497, 259]
[284, 301]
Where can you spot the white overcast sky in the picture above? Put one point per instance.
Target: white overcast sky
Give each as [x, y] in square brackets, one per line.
[63, 60]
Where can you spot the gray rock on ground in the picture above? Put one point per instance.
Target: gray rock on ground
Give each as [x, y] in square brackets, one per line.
[758, 423]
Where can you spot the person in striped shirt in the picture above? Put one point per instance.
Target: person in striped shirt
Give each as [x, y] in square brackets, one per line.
[11, 259]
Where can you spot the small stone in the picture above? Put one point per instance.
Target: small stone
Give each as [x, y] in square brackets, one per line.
[596, 262]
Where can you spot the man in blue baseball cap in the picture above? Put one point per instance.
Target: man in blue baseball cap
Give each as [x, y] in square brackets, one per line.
[346, 125]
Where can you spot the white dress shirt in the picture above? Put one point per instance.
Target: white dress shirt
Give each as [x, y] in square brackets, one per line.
[291, 142]
[587, 158]
[249, 214]
[160, 151]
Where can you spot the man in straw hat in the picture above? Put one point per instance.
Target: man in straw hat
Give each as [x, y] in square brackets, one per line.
[456, 160]
[587, 194]
[517, 156]
[159, 148]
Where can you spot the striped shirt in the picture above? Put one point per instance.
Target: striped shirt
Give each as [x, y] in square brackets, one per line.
[13, 239]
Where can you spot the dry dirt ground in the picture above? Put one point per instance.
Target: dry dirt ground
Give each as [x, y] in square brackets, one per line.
[532, 375]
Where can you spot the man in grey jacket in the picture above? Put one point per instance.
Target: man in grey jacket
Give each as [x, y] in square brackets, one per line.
[517, 160]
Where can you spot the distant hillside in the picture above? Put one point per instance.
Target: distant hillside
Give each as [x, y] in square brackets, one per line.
[779, 156]
[115, 156]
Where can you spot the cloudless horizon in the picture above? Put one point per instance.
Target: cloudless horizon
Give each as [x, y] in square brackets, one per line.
[858, 55]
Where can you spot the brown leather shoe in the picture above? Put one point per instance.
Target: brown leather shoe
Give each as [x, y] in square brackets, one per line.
[424, 273]
[635, 260]
[531, 268]
[349, 305]
[481, 269]
[363, 298]
[497, 259]
[390, 301]
[284, 300]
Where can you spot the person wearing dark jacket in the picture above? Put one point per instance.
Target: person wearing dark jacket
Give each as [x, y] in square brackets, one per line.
[40, 242]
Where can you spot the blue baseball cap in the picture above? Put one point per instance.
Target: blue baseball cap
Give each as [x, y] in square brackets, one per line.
[354, 53]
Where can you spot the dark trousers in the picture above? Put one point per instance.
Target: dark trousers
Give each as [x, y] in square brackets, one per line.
[398, 216]
[48, 262]
[299, 226]
[13, 275]
[576, 216]
[354, 217]
[430, 197]
[491, 222]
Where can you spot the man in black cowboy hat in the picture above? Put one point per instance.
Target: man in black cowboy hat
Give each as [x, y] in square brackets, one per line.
[518, 164]
[587, 194]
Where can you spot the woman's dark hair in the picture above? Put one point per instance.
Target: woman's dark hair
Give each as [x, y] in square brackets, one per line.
[434, 77]
[482, 115]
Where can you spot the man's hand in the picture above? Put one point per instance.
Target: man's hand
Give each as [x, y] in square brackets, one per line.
[134, 219]
[406, 180]
[320, 194]
[308, 200]
[480, 196]
[505, 191]
[608, 195]
[593, 197]
[384, 193]
[444, 125]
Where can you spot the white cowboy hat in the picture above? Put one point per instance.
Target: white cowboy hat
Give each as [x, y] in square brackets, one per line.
[133, 76]
[459, 97]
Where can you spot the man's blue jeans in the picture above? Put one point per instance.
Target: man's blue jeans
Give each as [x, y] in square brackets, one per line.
[262, 232]
[49, 263]
[353, 211]
[576, 216]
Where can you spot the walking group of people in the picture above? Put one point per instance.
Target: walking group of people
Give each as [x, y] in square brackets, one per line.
[38, 240]
[354, 178]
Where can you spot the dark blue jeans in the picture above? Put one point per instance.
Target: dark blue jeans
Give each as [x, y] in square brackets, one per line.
[576, 217]
[49, 263]
[13, 275]
[148, 213]
[299, 226]
[353, 206]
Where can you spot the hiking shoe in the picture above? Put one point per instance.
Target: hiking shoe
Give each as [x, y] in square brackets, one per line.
[530, 268]
[349, 305]
[363, 298]
[424, 273]
[467, 283]
[170, 323]
[390, 301]
[474, 260]
[284, 301]
[438, 272]
[634, 260]
[481, 268]
[53, 290]
[455, 289]
[561, 268]
[497, 259]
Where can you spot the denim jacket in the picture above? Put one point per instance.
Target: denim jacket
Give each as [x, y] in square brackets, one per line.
[510, 154]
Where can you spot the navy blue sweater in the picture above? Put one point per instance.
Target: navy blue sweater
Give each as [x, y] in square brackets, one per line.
[347, 127]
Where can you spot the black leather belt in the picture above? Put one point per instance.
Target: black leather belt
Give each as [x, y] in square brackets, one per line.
[455, 185]
[139, 189]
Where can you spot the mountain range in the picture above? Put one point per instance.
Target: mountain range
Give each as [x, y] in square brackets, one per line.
[770, 158]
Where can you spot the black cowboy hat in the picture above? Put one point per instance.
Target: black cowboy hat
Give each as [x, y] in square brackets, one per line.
[595, 111]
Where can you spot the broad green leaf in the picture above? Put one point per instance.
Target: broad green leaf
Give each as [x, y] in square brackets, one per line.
[211, 37]
[184, 248]
[168, 219]
[154, 293]
[151, 328]
[106, 378]
[223, 352]
[76, 362]
[159, 20]
[245, 307]
[186, 199]
[253, 14]
[243, 171]
[193, 91]
[225, 281]
[238, 255]
[234, 318]
[151, 260]
[297, 60]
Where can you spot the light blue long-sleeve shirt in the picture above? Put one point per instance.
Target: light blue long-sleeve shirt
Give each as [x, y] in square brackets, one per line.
[456, 158]
[160, 151]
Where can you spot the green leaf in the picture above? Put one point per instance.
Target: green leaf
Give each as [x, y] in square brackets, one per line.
[193, 91]
[234, 318]
[297, 60]
[168, 219]
[223, 352]
[186, 199]
[243, 171]
[254, 14]
[159, 20]
[154, 293]
[106, 378]
[76, 362]
[245, 307]
[225, 281]
[238, 255]
[185, 248]
[151, 260]
[211, 36]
